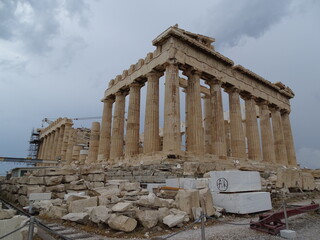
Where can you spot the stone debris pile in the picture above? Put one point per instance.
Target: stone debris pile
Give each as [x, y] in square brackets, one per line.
[122, 205]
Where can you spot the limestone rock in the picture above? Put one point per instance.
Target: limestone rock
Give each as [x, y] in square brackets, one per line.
[206, 201]
[79, 205]
[6, 213]
[26, 190]
[35, 180]
[56, 212]
[121, 207]
[122, 223]
[153, 201]
[162, 213]
[173, 220]
[43, 205]
[187, 199]
[110, 190]
[148, 218]
[77, 217]
[128, 186]
[56, 188]
[23, 200]
[55, 180]
[72, 198]
[99, 214]
[70, 178]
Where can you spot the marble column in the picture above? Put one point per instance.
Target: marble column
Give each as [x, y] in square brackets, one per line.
[278, 137]
[228, 137]
[151, 123]
[94, 143]
[287, 132]
[171, 130]
[117, 138]
[133, 123]
[64, 146]
[55, 144]
[76, 153]
[71, 142]
[238, 144]
[44, 148]
[218, 136]
[252, 130]
[266, 134]
[208, 124]
[194, 131]
[51, 146]
[60, 141]
[40, 148]
[105, 131]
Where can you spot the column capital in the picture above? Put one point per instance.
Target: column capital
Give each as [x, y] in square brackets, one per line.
[214, 81]
[109, 99]
[232, 89]
[154, 73]
[247, 95]
[191, 71]
[274, 107]
[136, 85]
[171, 61]
[262, 102]
[285, 111]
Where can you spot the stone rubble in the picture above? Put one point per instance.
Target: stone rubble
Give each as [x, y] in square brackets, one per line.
[90, 195]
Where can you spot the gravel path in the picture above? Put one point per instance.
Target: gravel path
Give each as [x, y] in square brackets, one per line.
[306, 225]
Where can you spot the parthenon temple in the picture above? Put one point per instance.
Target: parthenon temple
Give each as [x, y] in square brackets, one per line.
[186, 63]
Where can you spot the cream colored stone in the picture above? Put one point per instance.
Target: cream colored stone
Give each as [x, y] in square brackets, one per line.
[122, 223]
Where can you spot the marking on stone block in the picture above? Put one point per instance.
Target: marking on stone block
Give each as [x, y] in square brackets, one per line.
[222, 184]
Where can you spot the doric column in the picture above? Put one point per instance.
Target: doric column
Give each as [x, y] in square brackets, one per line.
[208, 124]
[171, 130]
[228, 137]
[278, 137]
[194, 130]
[151, 124]
[291, 154]
[60, 141]
[238, 144]
[94, 142]
[51, 145]
[55, 144]
[65, 140]
[266, 134]
[76, 153]
[48, 147]
[44, 147]
[71, 142]
[252, 130]
[105, 131]
[40, 147]
[117, 138]
[133, 123]
[218, 136]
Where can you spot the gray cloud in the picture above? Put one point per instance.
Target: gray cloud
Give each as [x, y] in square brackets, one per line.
[230, 20]
[36, 23]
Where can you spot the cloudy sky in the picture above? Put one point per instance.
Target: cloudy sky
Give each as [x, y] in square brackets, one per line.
[57, 56]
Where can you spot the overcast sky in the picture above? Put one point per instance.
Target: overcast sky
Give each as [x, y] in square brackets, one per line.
[57, 57]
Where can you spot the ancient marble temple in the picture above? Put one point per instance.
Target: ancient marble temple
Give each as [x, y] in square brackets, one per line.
[188, 61]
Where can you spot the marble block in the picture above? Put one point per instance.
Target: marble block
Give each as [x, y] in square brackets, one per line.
[234, 181]
[243, 203]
